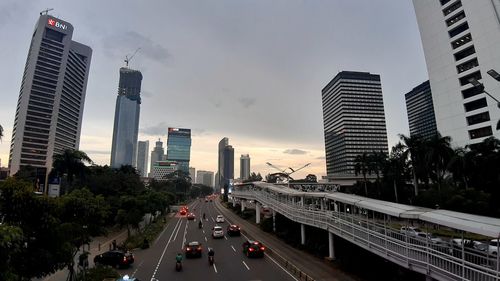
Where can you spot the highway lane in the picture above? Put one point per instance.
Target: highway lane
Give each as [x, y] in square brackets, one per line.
[158, 262]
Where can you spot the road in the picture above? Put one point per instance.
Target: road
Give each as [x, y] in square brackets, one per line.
[158, 262]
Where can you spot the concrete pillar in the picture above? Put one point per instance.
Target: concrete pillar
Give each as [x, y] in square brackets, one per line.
[335, 207]
[322, 204]
[274, 220]
[257, 212]
[234, 202]
[331, 246]
[302, 201]
[242, 202]
[302, 234]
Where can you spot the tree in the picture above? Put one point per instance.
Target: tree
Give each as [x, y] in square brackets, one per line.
[437, 156]
[253, 177]
[413, 148]
[10, 243]
[131, 212]
[362, 166]
[70, 163]
[377, 163]
[1, 132]
[396, 169]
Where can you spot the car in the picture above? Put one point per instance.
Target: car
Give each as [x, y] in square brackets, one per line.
[127, 278]
[217, 232]
[219, 218]
[410, 231]
[431, 237]
[182, 212]
[233, 230]
[191, 216]
[115, 258]
[193, 249]
[493, 245]
[253, 249]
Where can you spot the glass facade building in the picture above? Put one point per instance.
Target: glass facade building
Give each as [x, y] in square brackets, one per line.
[244, 166]
[179, 147]
[142, 158]
[126, 126]
[354, 120]
[225, 174]
[421, 118]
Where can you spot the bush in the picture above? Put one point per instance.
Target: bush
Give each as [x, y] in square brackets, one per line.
[150, 233]
[98, 273]
[267, 224]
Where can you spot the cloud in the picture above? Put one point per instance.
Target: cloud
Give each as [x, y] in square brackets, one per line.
[160, 129]
[126, 43]
[295, 151]
[247, 102]
[321, 157]
[90, 151]
[146, 94]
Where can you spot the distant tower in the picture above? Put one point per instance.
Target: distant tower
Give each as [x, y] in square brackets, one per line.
[226, 164]
[50, 107]
[354, 120]
[126, 127]
[179, 147]
[244, 166]
[142, 158]
[192, 174]
[421, 118]
[157, 154]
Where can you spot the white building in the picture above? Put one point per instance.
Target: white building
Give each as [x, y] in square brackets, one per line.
[461, 40]
[162, 168]
[192, 174]
[143, 158]
[244, 166]
[205, 178]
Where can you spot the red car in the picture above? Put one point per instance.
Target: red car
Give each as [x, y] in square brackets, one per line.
[253, 249]
[193, 249]
[233, 230]
[191, 216]
[115, 258]
[183, 212]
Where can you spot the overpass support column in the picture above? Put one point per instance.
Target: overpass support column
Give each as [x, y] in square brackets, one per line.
[302, 234]
[242, 202]
[234, 202]
[257, 212]
[274, 220]
[331, 246]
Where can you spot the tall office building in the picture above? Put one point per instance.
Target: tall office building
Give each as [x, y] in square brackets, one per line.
[192, 174]
[244, 166]
[421, 118]
[179, 147]
[225, 165]
[205, 178]
[126, 127]
[142, 158]
[354, 120]
[161, 169]
[461, 39]
[157, 154]
[50, 107]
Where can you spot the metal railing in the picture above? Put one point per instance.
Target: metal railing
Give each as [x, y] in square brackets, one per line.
[442, 261]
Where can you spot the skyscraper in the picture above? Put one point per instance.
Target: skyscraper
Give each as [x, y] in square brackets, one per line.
[142, 158]
[205, 178]
[50, 107]
[354, 120]
[461, 41]
[126, 127]
[421, 118]
[179, 147]
[244, 166]
[192, 174]
[225, 165]
[161, 169]
[157, 154]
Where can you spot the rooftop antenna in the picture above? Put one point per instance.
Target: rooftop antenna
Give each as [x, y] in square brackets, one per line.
[127, 58]
[46, 11]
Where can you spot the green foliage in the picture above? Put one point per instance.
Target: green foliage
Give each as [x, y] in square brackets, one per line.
[266, 224]
[98, 273]
[150, 233]
[253, 177]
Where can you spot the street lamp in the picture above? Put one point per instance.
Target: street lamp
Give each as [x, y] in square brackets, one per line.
[480, 86]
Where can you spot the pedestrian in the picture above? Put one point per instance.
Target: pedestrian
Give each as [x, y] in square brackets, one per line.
[114, 244]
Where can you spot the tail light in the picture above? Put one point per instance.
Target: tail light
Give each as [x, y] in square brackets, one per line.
[251, 249]
[188, 249]
[199, 248]
[262, 248]
[124, 258]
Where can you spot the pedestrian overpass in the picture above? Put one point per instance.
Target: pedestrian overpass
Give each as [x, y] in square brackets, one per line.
[399, 233]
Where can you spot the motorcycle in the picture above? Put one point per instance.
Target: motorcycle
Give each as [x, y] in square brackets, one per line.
[200, 225]
[211, 260]
[178, 266]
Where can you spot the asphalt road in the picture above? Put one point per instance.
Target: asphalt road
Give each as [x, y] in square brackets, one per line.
[158, 262]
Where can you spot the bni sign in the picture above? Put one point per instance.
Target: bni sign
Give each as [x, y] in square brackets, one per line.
[53, 22]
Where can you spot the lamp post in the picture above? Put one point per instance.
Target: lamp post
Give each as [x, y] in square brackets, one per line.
[480, 86]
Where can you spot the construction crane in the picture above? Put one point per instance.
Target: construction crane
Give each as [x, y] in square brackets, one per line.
[127, 58]
[46, 11]
[291, 169]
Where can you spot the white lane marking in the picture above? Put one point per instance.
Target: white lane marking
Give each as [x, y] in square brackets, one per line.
[225, 237]
[175, 237]
[206, 239]
[213, 219]
[203, 231]
[245, 265]
[215, 268]
[165, 249]
[269, 257]
[233, 248]
[184, 238]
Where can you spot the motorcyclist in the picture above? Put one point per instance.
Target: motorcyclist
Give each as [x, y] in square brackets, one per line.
[178, 258]
[204, 216]
[200, 224]
[211, 253]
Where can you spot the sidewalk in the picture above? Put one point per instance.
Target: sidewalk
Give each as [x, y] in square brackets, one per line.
[319, 270]
[98, 245]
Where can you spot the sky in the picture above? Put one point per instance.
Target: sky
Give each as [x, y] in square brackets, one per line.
[251, 71]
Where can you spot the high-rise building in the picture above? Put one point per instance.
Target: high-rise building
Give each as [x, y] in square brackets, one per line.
[226, 164]
[354, 120]
[126, 127]
[244, 166]
[192, 174]
[142, 158]
[50, 107]
[179, 147]
[157, 154]
[461, 39]
[205, 178]
[421, 118]
[161, 169]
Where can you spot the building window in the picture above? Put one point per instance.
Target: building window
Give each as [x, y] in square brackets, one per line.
[481, 132]
[478, 118]
[452, 8]
[465, 53]
[476, 104]
[459, 29]
[455, 18]
[53, 35]
[467, 65]
[443, 2]
[465, 79]
[470, 92]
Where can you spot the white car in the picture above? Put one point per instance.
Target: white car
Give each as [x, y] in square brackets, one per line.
[219, 218]
[410, 231]
[217, 232]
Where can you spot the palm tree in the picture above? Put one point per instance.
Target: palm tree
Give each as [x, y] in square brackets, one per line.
[437, 156]
[70, 163]
[378, 160]
[413, 146]
[459, 165]
[362, 166]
